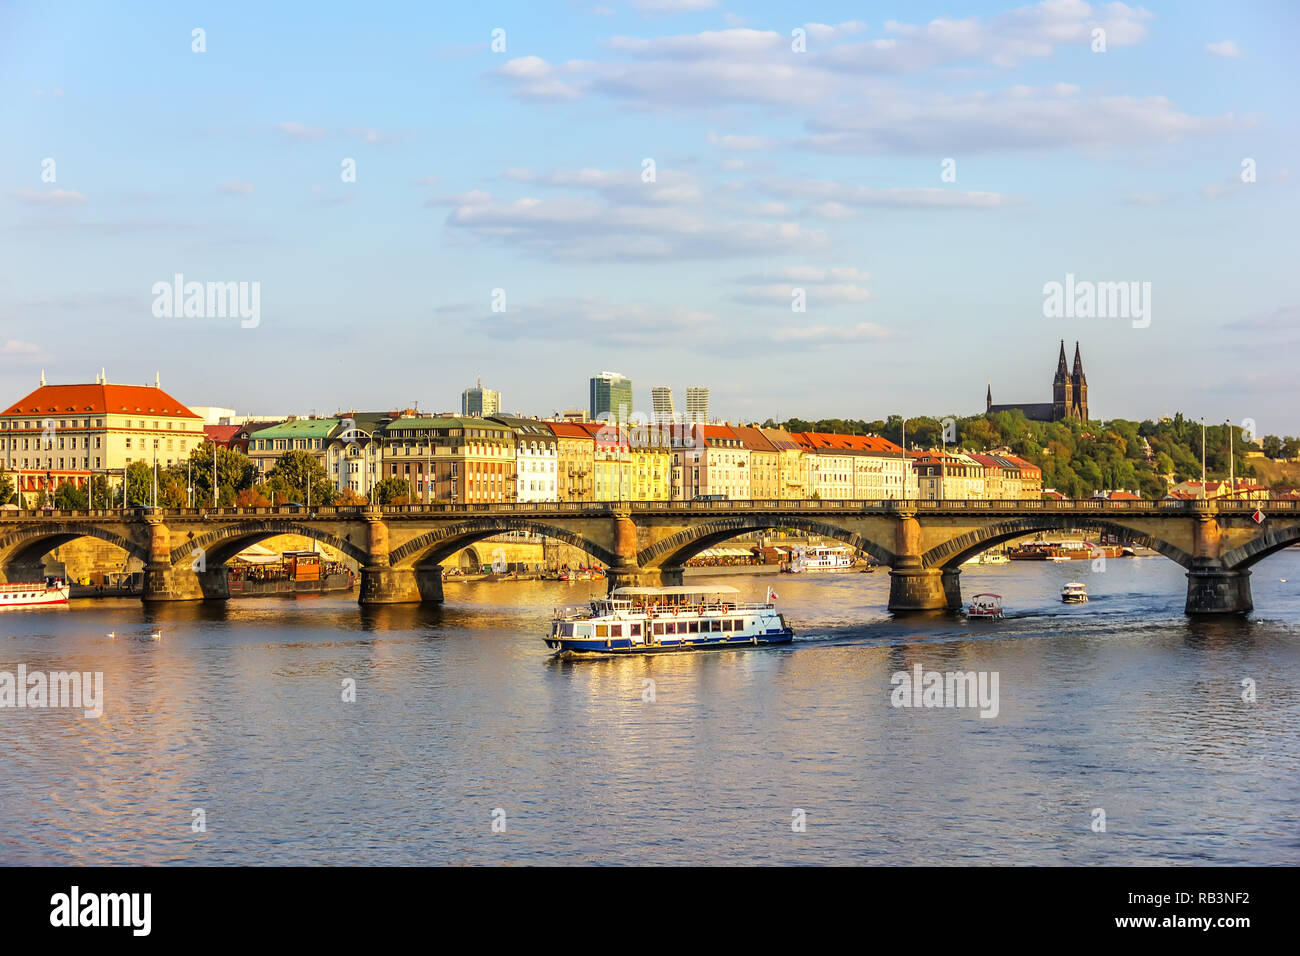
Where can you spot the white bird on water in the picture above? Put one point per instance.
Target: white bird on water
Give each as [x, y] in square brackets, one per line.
[156, 636]
[112, 634]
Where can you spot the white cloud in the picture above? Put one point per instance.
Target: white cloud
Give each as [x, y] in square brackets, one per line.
[236, 189]
[50, 197]
[1223, 48]
[300, 132]
[829, 336]
[832, 198]
[672, 6]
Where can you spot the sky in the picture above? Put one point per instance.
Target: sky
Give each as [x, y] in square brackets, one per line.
[542, 191]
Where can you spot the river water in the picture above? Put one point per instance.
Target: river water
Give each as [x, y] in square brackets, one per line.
[463, 720]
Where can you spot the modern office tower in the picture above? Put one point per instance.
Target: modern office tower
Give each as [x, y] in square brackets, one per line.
[611, 394]
[664, 411]
[697, 403]
[480, 402]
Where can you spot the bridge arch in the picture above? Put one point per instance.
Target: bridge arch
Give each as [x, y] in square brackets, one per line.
[675, 550]
[952, 553]
[28, 546]
[1259, 548]
[434, 547]
[225, 541]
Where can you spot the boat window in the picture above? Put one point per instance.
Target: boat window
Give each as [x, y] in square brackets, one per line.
[695, 627]
[583, 630]
[616, 630]
[636, 630]
[602, 630]
[715, 625]
[726, 624]
[672, 627]
[659, 628]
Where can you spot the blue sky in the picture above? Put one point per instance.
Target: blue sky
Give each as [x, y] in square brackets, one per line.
[522, 170]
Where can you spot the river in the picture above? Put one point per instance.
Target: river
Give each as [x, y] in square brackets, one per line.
[468, 743]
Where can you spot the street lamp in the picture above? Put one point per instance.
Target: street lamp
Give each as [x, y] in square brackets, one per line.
[1232, 464]
[155, 473]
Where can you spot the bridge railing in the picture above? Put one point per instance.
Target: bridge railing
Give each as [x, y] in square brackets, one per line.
[1101, 505]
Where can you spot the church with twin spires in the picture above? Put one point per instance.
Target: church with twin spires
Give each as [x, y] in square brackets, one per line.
[1069, 395]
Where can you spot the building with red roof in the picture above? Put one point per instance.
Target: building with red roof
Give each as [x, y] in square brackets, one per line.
[67, 433]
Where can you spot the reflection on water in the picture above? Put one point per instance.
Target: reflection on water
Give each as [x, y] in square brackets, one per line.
[1122, 703]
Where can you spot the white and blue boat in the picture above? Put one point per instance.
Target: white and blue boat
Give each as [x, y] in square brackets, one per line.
[641, 620]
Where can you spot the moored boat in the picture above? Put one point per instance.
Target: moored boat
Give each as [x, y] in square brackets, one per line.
[646, 620]
[47, 593]
[822, 558]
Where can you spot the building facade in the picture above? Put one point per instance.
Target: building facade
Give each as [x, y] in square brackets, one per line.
[536, 459]
[697, 404]
[69, 433]
[611, 397]
[480, 402]
[575, 461]
[445, 459]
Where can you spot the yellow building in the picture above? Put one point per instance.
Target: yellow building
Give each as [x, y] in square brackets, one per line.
[575, 461]
[68, 433]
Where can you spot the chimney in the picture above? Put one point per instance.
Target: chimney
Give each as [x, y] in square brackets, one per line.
[42, 376]
[156, 382]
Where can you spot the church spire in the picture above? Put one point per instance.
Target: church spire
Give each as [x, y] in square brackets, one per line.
[1078, 367]
[1062, 370]
[988, 401]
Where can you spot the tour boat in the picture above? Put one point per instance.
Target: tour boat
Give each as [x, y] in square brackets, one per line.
[45, 593]
[985, 606]
[645, 620]
[1075, 593]
[822, 559]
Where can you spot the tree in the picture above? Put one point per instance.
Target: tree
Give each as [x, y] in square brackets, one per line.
[234, 474]
[299, 471]
[387, 491]
[6, 488]
[251, 498]
[68, 497]
[139, 484]
[349, 497]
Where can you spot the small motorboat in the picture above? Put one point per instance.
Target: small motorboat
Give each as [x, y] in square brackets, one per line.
[1076, 592]
[988, 606]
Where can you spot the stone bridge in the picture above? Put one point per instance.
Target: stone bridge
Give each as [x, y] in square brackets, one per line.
[398, 549]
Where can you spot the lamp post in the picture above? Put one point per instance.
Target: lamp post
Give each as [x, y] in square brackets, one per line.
[1232, 464]
[1203, 495]
[154, 502]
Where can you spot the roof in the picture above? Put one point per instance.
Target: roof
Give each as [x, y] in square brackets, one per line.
[715, 589]
[780, 439]
[221, 433]
[567, 429]
[100, 398]
[753, 439]
[426, 423]
[299, 428]
[524, 426]
[853, 444]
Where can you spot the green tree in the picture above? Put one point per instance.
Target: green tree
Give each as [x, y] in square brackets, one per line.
[139, 484]
[387, 491]
[68, 497]
[235, 473]
[6, 488]
[297, 472]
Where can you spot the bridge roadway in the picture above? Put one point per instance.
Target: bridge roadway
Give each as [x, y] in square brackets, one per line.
[923, 543]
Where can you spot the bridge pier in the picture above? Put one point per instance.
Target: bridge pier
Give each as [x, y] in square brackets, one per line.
[951, 581]
[912, 586]
[1218, 591]
[1212, 588]
[380, 585]
[185, 584]
[22, 572]
[621, 577]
